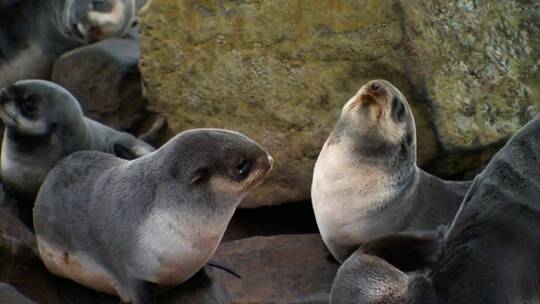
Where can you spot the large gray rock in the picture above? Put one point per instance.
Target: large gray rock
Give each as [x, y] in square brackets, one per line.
[280, 71]
[277, 269]
[105, 79]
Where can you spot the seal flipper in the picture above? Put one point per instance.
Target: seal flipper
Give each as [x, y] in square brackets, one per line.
[408, 251]
[132, 149]
[155, 131]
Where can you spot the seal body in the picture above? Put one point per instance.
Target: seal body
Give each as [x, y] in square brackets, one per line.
[490, 254]
[119, 226]
[34, 33]
[366, 183]
[43, 124]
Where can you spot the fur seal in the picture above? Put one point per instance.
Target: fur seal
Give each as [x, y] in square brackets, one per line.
[490, 254]
[34, 33]
[366, 183]
[121, 226]
[44, 123]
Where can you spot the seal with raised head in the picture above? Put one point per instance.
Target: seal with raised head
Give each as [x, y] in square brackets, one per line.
[34, 33]
[121, 226]
[366, 183]
[43, 124]
[490, 254]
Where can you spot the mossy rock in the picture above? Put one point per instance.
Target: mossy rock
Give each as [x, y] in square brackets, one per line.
[280, 71]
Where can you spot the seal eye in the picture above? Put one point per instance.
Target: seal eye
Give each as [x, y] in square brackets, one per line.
[398, 109]
[242, 169]
[29, 107]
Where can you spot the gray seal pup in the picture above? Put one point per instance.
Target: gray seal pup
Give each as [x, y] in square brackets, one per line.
[43, 124]
[122, 227]
[34, 33]
[366, 183]
[490, 254]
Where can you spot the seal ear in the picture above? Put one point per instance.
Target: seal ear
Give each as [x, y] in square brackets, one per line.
[408, 251]
[132, 151]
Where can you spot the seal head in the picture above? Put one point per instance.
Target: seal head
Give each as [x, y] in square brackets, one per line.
[94, 20]
[37, 108]
[380, 124]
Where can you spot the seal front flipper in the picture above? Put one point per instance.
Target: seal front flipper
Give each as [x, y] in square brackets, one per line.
[155, 131]
[132, 149]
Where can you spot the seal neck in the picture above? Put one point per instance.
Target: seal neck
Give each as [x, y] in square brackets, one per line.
[378, 180]
[57, 16]
[359, 154]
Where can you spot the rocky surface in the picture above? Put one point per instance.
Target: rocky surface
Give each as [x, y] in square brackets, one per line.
[21, 267]
[19, 262]
[16, 240]
[277, 269]
[293, 218]
[105, 79]
[203, 288]
[280, 72]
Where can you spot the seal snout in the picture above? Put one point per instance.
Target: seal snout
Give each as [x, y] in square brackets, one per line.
[96, 33]
[370, 94]
[374, 88]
